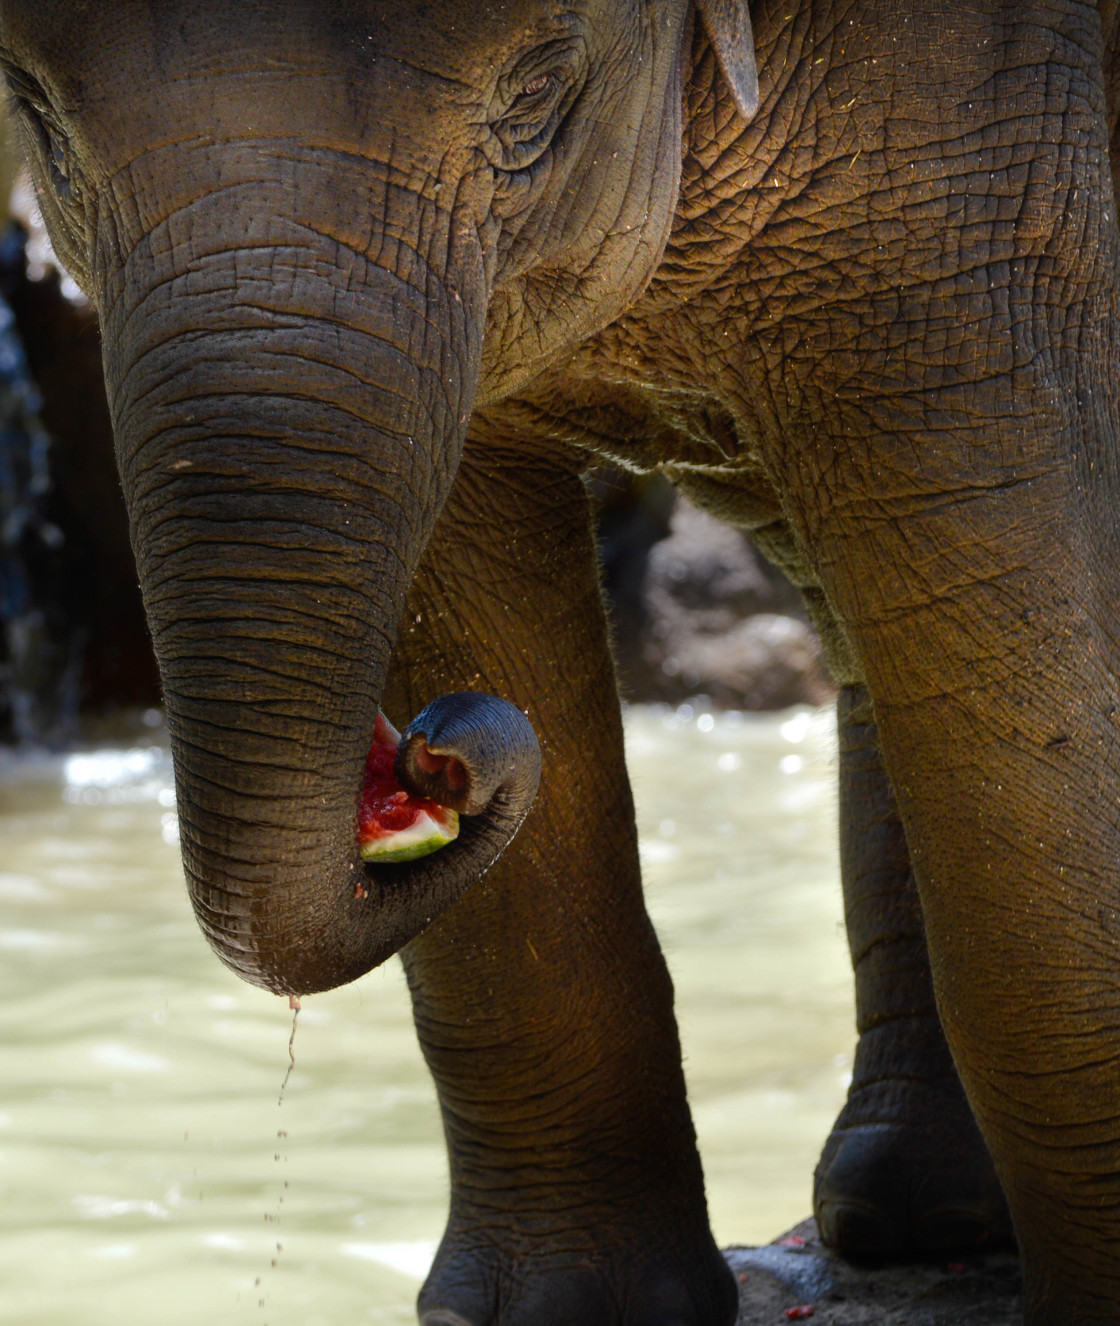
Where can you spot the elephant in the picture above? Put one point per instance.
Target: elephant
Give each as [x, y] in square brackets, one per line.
[378, 281]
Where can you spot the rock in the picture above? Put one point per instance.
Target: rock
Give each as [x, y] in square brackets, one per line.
[797, 1270]
[710, 571]
[766, 662]
[72, 627]
[41, 629]
[696, 610]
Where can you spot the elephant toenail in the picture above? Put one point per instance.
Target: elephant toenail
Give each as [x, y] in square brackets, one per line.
[443, 1317]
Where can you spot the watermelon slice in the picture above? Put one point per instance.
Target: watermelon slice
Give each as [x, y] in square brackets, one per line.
[394, 825]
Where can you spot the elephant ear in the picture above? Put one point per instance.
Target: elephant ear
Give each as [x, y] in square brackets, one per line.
[728, 25]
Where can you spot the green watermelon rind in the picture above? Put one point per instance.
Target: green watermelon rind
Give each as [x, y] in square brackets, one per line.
[438, 836]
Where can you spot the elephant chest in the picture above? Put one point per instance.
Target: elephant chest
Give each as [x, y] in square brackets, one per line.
[611, 404]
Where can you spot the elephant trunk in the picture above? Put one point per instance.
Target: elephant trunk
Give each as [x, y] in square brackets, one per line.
[288, 428]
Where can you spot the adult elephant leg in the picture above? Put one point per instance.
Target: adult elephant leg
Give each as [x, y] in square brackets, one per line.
[958, 492]
[905, 1170]
[988, 639]
[542, 1002]
[970, 549]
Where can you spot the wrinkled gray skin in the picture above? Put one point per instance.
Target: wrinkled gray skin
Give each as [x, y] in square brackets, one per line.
[378, 279]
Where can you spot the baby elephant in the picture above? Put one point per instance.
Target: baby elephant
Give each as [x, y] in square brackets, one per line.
[378, 280]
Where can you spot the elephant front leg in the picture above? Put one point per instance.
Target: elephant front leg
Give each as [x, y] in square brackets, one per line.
[995, 703]
[978, 576]
[905, 1170]
[541, 999]
[958, 492]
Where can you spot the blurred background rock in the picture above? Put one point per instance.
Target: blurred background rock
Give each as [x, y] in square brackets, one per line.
[72, 630]
[695, 609]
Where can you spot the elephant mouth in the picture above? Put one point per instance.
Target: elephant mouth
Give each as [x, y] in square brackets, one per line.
[298, 930]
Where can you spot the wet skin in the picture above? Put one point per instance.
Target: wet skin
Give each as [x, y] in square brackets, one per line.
[377, 282]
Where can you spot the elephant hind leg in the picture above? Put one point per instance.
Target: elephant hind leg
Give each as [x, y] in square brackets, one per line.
[905, 1171]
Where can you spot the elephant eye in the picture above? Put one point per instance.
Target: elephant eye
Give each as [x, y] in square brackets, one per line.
[539, 92]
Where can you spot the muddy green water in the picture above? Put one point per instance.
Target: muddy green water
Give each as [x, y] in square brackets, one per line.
[147, 1173]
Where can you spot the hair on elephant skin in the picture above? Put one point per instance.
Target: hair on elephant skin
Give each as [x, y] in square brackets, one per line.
[377, 281]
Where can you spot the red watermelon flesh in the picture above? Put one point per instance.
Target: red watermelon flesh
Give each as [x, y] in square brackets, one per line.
[394, 825]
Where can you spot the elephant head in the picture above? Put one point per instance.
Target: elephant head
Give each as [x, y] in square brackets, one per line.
[317, 233]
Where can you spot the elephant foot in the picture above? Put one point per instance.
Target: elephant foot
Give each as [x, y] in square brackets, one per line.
[486, 1277]
[905, 1172]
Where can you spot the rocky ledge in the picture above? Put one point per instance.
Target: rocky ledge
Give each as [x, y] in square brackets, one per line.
[796, 1278]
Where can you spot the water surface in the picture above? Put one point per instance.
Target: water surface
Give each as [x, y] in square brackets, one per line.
[147, 1173]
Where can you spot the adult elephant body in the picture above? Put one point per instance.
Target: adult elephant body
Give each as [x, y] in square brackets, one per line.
[377, 281]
